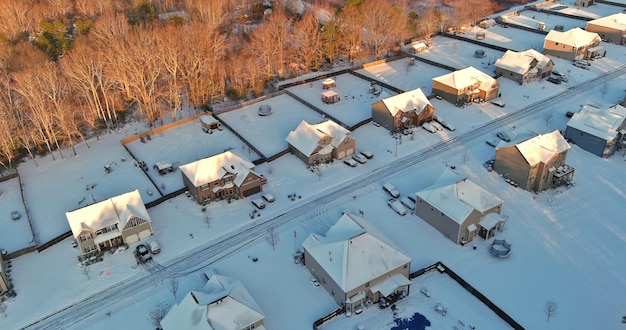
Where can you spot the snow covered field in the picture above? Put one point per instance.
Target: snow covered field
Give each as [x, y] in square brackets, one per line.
[567, 243]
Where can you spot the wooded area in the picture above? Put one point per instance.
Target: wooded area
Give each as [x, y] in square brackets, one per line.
[72, 68]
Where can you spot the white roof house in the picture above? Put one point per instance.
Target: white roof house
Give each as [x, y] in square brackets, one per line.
[411, 101]
[115, 210]
[457, 200]
[351, 256]
[521, 62]
[575, 37]
[214, 168]
[541, 148]
[461, 79]
[223, 304]
[614, 22]
[306, 137]
[602, 123]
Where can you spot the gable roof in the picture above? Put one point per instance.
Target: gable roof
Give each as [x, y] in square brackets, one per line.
[411, 101]
[520, 62]
[223, 304]
[458, 199]
[118, 209]
[603, 123]
[306, 137]
[350, 255]
[541, 148]
[464, 78]
[575, 37]
[615, 21]
[216, 167]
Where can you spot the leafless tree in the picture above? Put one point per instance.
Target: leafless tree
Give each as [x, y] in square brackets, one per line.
[174, 286]
[271, 236]
[3, 308]
[551, 309]
[351, 35]
[547, 117]
[385, 25]
[307, 41]
[157, 313]
[87, 270]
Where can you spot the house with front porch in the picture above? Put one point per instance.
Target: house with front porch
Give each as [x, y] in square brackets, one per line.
[524, 67]
[600, 131]
[115, 221]
[466, 85]
[575, 44]
[223, 304]
[535, 163]
[611, 28]
[223, 176]
[320, 143]
[459, 208]
[405, 110]
[355, 267]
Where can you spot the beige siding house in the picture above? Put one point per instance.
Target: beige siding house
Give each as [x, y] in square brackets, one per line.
[459, 208]
[118, 220]
[223, 176]
[223, 304]
[524, 67]
[575, 44]
[536, 163]
[466, 85]
[611, 28]
[355, 267]
[404, 110]
[320, 143]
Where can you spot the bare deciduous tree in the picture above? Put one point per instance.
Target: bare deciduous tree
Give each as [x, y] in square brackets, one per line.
[157, 313]
[551, 309]
[307, 41]
[386, 25]
[87, 270]
[3, 308]
[271, 236]
[547, 117]
[174, 286]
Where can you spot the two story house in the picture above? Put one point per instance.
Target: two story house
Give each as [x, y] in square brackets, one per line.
[320, 143]
[404, 110]
[466, 85]
[611, 28]
[598, 130]
[575, 44]
[524, 67]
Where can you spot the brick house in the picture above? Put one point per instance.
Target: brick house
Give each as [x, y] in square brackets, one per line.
[320, 143]
[404, 110]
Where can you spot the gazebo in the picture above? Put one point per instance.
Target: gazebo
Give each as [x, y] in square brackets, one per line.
[328, 83]
[500, 248]
[330, 97]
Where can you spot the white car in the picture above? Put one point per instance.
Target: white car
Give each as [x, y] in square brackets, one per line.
[395, 205]
[359, 158]
[350, 162]
[436, 125]
[391, 190]
[259, 203]
[429, 127]
[268, 197]
[581, 65]
[154, 246]
[498, 103]
[367, 154]
[407, 203]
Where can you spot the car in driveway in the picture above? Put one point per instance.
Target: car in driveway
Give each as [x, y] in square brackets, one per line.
[498, 103]
[502, 135]
[395, 205]
[268, 197]
[444, 123]
[154, 246]
[368, 154]
[142, 254]
[554, 80]
[427, 126]
[407, 203]
[436, 125]
[259, 203]
[391, 190]
[359, 158]
[350, 162]
[582, 64]
[492, 142]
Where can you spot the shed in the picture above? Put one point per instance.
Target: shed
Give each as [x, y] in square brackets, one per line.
[328, 83]
[488, 23]
[330, 97]
[209, 122]
[417, 47]
[480, 35]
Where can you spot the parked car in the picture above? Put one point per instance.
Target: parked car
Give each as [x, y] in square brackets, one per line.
[268, 197]
[395, 205]
[444, 123]
[350, 162]
[554, 80]
[558, 73]
[154, 246]
[569, 114]
[492, 142]
[436, 125]
[503, 136]
[580, 65]
[259, 203]
[429, 127]
[498, 103]
[359, 158]
[142, 254]
[315, 282]
[15, 215]
[407, 203]
[367, 154]
[391, 190]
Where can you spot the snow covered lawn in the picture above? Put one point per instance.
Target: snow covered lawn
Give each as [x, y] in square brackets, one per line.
[406, 77]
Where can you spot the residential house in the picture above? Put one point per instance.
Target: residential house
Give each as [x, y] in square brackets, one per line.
[575, 44]
[404, 110]
[223, 304]
[466, 85]
[4, 278]
[611, 28]
[223, 176]
[585, 3]
[525, 66]
[355, 267]
[459, 208]
[115, 221]
[320, 143]
[536, 163]
[599, 131]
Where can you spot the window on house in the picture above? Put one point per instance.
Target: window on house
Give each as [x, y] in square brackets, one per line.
[367, 285]
[85, 237]
[228, 179]
[90, 248]
[204, 187]
[443, 215]
[405, 266]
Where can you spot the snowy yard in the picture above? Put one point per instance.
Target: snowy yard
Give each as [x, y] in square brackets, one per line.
[460, 54]
[15, 233]
[403, 76]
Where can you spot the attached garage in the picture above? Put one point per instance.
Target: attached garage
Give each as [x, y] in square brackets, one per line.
[252, 191]
[145, 234]
[341, 154]
[132, 239]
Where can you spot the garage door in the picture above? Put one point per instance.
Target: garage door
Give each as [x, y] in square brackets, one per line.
[341, 154]
[144, 234]
[132, 239]
[349, 152]
[252, 191]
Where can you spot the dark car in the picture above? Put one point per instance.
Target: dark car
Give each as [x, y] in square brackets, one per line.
[554, 80]
[142, 253]
[569, 114]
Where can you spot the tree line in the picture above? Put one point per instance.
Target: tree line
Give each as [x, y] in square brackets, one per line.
[72, 68]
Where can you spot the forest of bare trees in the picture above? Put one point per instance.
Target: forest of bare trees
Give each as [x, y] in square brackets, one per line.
[70, 69]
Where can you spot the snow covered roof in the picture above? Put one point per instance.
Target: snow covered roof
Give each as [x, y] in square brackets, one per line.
[520, 62]
[615, 21]
[350, 255]
[458, 199]
[411, 101]
[208, 120]
[115, 210]
[575, 37]
[541, 148]
[306, 137]
[461, 79]
[603, 123]
[216, 167]
[223, 304]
